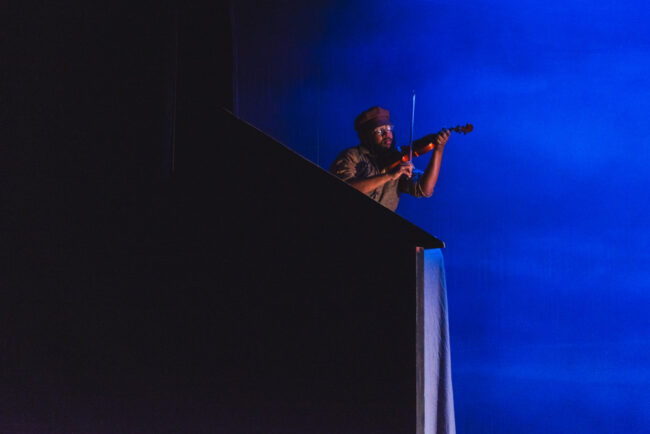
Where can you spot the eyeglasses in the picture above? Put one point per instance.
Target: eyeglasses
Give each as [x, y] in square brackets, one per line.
[383, 131]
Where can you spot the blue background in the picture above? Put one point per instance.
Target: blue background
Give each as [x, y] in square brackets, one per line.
[543, 207]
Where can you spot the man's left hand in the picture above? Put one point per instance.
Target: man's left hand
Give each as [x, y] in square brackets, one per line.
[438, 139]
[441, 139]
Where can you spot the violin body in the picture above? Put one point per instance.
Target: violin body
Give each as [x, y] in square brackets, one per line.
[403, 155]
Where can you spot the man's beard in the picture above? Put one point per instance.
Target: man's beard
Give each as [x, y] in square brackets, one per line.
[380, 149]
[386, 143]
[383, 156]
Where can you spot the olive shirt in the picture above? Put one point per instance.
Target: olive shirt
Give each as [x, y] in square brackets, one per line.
[359, 162]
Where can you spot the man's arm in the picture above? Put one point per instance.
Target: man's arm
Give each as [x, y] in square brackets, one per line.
[430, 176]
[367, 185]
[345, 167]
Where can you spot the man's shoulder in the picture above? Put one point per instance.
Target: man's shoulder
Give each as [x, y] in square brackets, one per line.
[347, 160]
[354, 152]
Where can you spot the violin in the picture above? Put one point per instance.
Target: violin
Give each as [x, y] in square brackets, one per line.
[405, 154]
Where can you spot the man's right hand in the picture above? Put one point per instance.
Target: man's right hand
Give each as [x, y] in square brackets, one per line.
[405, 168]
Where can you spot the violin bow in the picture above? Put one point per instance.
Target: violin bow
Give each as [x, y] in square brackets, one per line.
[412, 126]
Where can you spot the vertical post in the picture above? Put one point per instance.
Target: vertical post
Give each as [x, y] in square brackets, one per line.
[419, 338]
[435, 400]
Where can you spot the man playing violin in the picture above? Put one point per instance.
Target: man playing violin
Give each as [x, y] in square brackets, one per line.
[364, 166]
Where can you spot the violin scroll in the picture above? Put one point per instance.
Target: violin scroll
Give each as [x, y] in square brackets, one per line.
[468, 128]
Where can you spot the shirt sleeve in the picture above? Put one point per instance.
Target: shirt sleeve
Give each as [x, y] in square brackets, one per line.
[345, 165]
[411, 185]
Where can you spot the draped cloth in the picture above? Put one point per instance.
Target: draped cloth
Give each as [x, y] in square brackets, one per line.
[435, 399]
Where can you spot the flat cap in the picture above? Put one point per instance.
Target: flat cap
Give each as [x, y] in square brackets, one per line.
[372, 118]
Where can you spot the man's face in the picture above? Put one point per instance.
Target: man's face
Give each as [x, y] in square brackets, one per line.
[382, 137]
